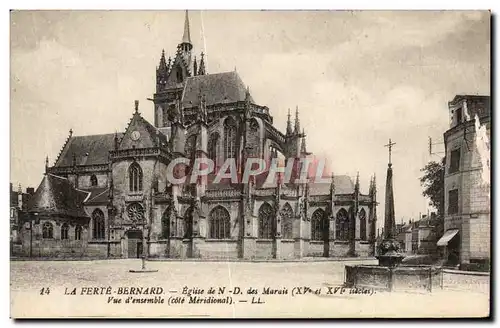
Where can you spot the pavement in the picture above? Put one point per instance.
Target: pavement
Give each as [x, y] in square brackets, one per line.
[309, 289]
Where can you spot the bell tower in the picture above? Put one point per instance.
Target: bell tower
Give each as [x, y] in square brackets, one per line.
[171, 76]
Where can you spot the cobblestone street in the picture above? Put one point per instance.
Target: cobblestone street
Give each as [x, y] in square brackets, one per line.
[28, 278]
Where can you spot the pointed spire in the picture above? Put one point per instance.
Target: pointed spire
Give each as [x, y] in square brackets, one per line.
[116, 140]
[169, 63]
[332, 184]
[136, 106]
[195, 67]
[357, 182]
[303, 148]
[163, 62]
[46, 163]
[289, 124]
[247, 95]
[186, 37]
[70, 133]
[201, 70]
[297, 122]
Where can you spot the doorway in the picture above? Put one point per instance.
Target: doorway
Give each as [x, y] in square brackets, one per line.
[135, 248]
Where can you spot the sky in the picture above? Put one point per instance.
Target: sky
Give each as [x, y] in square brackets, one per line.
[357, 77]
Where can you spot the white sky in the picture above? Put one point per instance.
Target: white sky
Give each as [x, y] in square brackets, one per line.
[359, 78]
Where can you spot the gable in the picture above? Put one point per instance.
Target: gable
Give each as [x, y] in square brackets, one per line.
[142, 134]
[178, 73]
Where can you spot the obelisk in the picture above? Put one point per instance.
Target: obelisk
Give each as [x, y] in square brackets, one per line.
[389, 219]
[389, 251]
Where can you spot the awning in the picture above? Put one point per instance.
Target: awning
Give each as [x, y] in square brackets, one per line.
[448, 235]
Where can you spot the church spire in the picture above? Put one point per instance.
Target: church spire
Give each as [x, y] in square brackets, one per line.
[195, 67]
[297, 122]
[289, 125]
[163, 62]
[303, 148]
[201, 70]
[186, 37]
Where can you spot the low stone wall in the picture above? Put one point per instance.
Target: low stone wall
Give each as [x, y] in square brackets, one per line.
[420, 278]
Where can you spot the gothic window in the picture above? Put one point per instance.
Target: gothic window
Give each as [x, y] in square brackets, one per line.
[229, 138]
[135, 212]
[266, 221]
[47, 231]
[454, 161]
[286, 222]
[98, 224]
[78, 232]
[253, 139]
[453, 201]
[64, 231]
[219, 223]
[319, 225]
[93, 180]
[165, 224]
[188, 223]
[135, 177]
[213, 144]
[342, 225]
[362, 224]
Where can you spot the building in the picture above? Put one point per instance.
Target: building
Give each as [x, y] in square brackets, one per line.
[108, 195]
[467, 181]
[18, 210]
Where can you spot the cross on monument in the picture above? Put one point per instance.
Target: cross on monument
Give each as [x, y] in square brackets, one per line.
[389, 145]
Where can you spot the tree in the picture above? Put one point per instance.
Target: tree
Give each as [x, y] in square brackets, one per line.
[433, 183]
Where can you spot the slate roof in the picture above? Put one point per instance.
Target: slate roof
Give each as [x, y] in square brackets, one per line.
[97, 196]
[88, 150]
[343, 185]
[56, 196]
[218, 88]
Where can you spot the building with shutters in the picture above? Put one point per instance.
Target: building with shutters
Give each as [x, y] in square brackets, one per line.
[467, 220]
[108, 195]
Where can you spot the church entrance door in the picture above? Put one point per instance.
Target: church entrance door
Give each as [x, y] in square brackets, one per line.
[134, 243]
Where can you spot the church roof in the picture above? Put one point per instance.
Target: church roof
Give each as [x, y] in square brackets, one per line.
[218, 88]
[97, 196]
[88, 150]
[343, 185]
[56, 196]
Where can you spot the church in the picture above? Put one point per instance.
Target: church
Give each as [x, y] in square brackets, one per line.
[108, 195]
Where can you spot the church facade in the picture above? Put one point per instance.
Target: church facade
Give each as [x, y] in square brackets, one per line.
[109, 195]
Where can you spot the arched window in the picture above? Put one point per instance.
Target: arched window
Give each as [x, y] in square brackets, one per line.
[98, 230]
[165, 224]
[362, 224]
[266, 222]
[93, 180]
[319, 225]
[229, 138]
[135, 177]
[213, 144]
[64, 231]
[78, 232]
[253, 139]
[286, 222]
[188, 223]
[47, 231]
[342, 225]
[219, 223]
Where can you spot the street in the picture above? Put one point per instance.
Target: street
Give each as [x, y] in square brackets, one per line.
[240, 289]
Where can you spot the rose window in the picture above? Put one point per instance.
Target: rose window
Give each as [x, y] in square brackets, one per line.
[135, 212]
